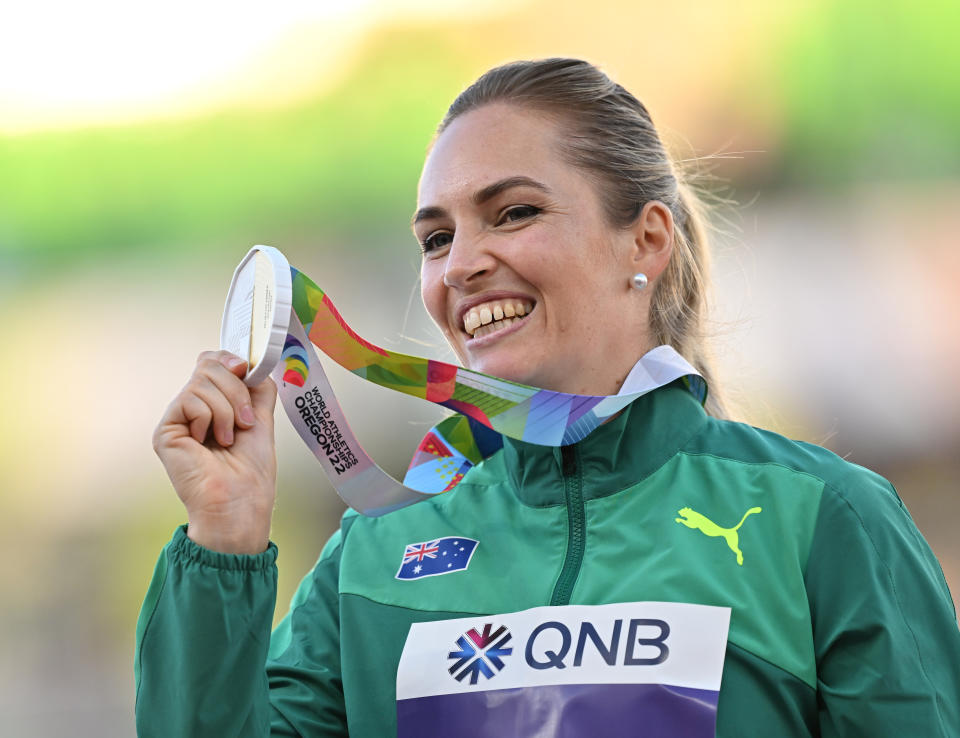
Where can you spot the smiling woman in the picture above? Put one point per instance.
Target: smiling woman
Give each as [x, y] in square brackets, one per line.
[672, 574]
[538, 241]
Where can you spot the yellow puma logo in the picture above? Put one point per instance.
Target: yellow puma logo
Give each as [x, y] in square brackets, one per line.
[693, 519]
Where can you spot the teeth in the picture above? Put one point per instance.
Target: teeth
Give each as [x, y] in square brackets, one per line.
[493, 315]
[493, 327]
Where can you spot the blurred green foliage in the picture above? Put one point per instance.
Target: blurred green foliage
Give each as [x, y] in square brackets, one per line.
[871, 90]
[347, 159]
[864, 89]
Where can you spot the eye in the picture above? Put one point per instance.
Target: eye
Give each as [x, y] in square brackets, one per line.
[518, 212]
[436, 240]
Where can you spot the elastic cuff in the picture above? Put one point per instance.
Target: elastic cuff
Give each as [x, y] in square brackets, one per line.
[187, 551]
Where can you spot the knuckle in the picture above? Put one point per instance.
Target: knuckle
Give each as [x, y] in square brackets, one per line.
[212, 359]
[224, 357]
[199, 384]
[207, 363]
[194, 407]
[191, 389]
[239, 395]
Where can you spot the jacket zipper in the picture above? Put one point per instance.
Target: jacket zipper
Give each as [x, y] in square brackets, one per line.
[576, 525]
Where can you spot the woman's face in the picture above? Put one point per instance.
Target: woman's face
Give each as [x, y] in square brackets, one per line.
[521, 270]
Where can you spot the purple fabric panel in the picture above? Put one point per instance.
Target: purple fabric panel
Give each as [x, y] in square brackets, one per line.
[580, 407]
[547, 418]
[564, 711]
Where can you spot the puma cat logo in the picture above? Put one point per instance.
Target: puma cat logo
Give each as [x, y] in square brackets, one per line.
[693, 519]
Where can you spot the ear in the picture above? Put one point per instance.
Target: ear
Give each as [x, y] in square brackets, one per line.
[652, 239]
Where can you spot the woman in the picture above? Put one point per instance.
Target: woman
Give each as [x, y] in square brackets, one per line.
[548, 194]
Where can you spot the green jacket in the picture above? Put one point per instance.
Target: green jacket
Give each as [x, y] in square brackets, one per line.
[841, 623]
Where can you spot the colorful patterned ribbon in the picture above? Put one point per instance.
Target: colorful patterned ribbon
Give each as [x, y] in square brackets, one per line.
[488, 408]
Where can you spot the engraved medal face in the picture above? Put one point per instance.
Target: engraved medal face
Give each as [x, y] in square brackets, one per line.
[261, 318]
[257, 311]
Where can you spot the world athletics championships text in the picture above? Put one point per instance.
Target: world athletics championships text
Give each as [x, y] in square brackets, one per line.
[313, 411]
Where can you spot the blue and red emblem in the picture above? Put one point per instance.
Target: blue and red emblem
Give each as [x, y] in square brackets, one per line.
[480, 653]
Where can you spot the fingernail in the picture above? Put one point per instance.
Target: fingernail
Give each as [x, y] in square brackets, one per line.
[246, 415]
[228, 436]
[235, 362]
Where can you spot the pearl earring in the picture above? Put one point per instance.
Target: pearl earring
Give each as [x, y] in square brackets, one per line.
[638, 281]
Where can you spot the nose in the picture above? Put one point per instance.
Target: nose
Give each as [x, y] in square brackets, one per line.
[468, 261]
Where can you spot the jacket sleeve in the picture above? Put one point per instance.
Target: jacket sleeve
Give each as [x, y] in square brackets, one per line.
[885, 629]
[204, 662]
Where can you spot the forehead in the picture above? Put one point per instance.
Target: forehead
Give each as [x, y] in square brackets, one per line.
[488, 144]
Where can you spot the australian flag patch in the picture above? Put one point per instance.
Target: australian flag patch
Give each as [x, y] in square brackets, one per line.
[436, 557]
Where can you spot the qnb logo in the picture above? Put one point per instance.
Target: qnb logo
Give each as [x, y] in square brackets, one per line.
[550, 644]
[480, 653]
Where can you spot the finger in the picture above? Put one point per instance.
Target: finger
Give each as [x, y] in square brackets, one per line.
[197, 416]
[186, 412]
[233, 388]
[191, 412]
[223, 417]
[235, 364]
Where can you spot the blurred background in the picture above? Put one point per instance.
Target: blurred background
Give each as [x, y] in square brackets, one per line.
[144, 147]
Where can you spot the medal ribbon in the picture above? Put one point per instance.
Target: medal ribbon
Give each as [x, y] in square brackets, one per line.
[488, 407]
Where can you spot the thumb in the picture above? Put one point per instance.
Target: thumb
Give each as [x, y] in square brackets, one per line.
[264, 398]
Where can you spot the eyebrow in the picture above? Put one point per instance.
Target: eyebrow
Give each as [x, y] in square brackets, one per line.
[483, 195]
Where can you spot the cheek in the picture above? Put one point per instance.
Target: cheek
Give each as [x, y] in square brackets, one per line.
[561, 271]
[432, 292]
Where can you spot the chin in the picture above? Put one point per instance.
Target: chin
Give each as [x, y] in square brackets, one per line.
[522, 372]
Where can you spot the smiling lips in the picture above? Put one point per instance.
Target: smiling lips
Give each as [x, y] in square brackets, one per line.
[488, 317]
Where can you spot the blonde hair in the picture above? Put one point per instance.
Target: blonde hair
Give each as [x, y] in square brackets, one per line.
[612, 138]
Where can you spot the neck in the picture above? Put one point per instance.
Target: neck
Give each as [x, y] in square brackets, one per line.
[605, 379]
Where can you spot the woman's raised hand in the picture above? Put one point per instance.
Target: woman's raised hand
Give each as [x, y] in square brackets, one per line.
[216, 443]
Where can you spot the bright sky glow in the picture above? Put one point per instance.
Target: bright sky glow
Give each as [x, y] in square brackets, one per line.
[66, 63]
